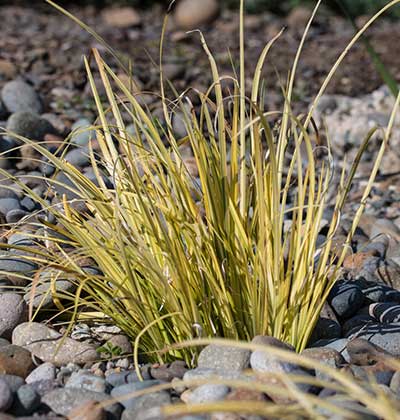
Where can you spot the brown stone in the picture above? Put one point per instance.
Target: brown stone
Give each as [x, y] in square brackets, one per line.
[327, 312]
[30, 158]
[245, 394]
[122, 341]
[4, 416]
[338, 242]
[346, 370]
[379, 367]
[356, 261]
[381, 371]
[84, 261]
[90, 410]
[271, 341]
[185, 396]
[324, 355]
[52, 140]
[15, 360]
[191, 166]
[121, 17]
[94, 144]
[130, 82]
[298, 18]
[190, 14]
[389, 273]
[168, 372]
[365, 353]
[7, 69]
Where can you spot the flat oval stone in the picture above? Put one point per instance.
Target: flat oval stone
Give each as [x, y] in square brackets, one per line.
[15, 266]
[19, 96]
[50, 346]
[326, 356]
[7, 192]
[352, 406]
[224, 358]
[15, 215]
[78, 157]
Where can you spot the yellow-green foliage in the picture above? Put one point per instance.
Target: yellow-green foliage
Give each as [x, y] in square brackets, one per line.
[181, 260]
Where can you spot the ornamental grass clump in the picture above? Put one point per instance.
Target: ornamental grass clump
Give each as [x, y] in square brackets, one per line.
[223, 244]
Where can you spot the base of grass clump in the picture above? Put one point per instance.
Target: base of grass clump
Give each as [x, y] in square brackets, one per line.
[221, 245]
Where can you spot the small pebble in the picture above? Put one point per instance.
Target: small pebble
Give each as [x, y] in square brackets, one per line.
[19, 96]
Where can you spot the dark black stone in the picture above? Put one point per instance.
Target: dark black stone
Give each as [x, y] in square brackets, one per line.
[378, 292]
[346, 298]
[386, 312]
[326, 329]
[356, 322]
